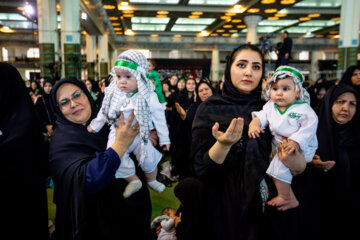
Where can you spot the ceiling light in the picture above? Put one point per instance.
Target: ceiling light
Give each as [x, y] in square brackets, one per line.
[335, 19]
[225, 17]
[280, 15]
[154, 35]
[230, 14]
[28, 9]
[6, 29]
[227, 26]
[220, 30]
[271, 10]
[214, 34]
[118, 33]
[268, 1]
[194, 16]
[129, 32]
[241, 26]
[128, 11]
[162, 12]
[113, 18]
[117, 29]
[20, 8]
[314, 15]
[83, 16]
[233, 30]
[177, 36]
[204, 34]
[287, 2]
[319, 36]
[304, 19]
[236, 21]
[115, 24]
[83, 32]
[273, 18]
[197, 13]
[334, 32]
[122, 3]
[253, 10]
[128, 15]
[161, 16]
[238, 9]
[109, 7]
[58, 7]
[225, 34]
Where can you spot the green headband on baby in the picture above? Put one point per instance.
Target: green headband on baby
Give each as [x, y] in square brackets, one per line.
[122, 63]
[297, 73]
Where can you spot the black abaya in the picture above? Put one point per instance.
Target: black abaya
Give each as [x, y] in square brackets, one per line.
[105, 214]
[23, 204]
[330, 199]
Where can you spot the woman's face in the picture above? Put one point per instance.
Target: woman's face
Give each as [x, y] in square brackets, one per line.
[344, 108]
[165, 87]
[246, 71]
[181, 85]
[355, 79]
[321, 93]
[173, 80]
[204, 92]
[73, 103]
[33, 86]
[47, 87]
[88, 85]
[151, 66]
[190, 85]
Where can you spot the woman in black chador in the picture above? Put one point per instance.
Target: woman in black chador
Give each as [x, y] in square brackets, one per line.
[331, 193]
[352, 77]
[231, 165]
[23, 204]
[88, 198]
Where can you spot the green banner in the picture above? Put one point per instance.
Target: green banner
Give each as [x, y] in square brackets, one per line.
[352, 53]
[104, 69]
[72, 60]
[47, 59]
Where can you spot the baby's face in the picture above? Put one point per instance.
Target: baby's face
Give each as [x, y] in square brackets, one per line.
[125, 81]
[172, 213]
[283, 92]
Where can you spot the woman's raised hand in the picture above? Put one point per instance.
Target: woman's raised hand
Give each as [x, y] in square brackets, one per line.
[125, 134]
[232, 134]
[322, 165]
[181, 111]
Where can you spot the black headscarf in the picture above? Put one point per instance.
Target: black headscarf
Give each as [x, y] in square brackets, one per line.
[232, 188]
[23, 168]
[190, 193]
[72, 146]
[346, 78]
[332, 135]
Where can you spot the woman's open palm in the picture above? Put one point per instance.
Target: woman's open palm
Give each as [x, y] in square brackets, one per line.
[232, 134]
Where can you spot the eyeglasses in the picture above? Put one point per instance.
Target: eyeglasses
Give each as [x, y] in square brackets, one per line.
[66, 101]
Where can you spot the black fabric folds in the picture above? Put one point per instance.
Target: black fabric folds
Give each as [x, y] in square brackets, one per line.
[103, 215]
[329, 200]
[232, 193]
[23, 203]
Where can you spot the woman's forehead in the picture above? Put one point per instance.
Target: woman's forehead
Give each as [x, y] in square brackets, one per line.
[248, 55]
[66, 89]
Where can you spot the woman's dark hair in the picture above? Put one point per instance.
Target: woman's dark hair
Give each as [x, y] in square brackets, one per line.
[346, 78]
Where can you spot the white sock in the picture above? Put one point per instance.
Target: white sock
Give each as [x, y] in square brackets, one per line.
[156, 186]
[132, 188]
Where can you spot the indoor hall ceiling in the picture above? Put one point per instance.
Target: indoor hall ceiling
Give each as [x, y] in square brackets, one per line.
[197, 18]
[204, 18]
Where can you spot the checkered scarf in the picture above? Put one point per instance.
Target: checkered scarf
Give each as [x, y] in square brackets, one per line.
[136, 63]
[287, 71]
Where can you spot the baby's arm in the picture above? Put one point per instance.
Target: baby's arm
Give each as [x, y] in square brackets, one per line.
[97, 123]
[255, 128]
[159, 120]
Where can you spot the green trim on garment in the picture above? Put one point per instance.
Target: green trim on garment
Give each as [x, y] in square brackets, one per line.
[297, 73]
[122, 63]
[276, 106]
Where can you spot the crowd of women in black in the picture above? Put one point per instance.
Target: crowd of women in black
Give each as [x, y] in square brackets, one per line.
[208, 130]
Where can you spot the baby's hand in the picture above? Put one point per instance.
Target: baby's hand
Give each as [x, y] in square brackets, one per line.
[255, 129]
[291, 146]
[90, 129]
[165, 147]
